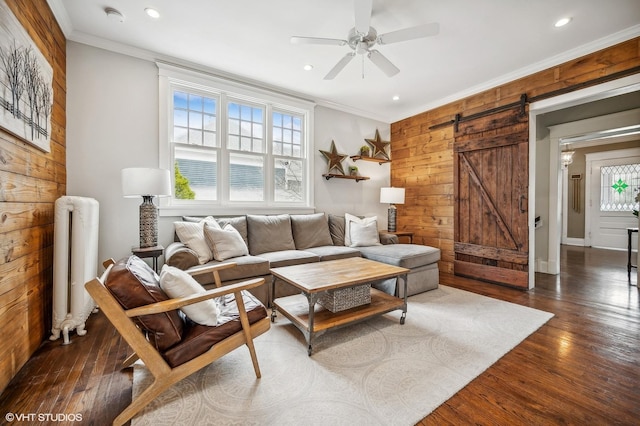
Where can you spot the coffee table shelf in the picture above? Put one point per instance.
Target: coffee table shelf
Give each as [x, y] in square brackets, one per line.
[296, 309]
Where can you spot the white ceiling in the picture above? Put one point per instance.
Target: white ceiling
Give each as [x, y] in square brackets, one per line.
[482, 43]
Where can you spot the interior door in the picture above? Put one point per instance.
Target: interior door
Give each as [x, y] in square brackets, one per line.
[491, 191]
[611, 200]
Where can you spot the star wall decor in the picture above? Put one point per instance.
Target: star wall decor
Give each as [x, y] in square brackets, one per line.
[334, 159]
[379, 146]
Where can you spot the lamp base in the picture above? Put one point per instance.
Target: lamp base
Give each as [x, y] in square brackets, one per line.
[148, 222]
[391, 218]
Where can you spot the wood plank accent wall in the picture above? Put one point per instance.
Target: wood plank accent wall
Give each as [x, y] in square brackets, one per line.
[30, 182]
[423, 157]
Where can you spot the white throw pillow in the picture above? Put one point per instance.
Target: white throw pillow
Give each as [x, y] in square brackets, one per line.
[364, 234]
[177, 283]
[225, 243]
[191, 234]
[349, 219]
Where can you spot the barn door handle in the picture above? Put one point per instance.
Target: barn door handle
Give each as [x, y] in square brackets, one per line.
[520, 204]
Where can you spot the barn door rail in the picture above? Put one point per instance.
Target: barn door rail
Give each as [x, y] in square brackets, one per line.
[459, 118]
[524, 99]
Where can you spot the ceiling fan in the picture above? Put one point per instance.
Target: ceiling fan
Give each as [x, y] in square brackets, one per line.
[363, 38]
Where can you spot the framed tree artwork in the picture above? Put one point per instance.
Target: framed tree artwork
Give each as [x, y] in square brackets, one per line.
[26, 77]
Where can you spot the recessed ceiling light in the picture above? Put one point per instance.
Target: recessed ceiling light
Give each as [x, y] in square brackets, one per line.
[308, 67]
[562, 22]
[114, 14]
[152, 12]
[396, 98]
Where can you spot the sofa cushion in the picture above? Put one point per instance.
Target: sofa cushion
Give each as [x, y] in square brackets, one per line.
[336, 229]
[404, 255]
[133, 283]
[310, 230]
[225, 243]
[289, 257]
[334, 252]
[269, 233]
[199, 338]
[178, 283]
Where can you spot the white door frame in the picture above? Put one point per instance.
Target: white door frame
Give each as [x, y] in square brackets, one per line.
[601, 91]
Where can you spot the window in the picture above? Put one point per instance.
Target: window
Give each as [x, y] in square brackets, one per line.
[232, 146]
[619, 187]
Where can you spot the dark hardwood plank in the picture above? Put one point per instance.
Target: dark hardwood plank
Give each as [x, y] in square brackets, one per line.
[582, 367]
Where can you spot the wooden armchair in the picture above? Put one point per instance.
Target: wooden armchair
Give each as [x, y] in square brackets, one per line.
[179, 360]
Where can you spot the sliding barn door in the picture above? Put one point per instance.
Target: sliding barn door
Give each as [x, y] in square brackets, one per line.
[491, 175]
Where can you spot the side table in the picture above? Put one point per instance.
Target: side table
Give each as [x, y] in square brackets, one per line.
[630, 231]
[400, 234]
[153, 252]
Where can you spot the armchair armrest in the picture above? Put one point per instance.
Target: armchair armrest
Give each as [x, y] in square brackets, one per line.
[172, 304]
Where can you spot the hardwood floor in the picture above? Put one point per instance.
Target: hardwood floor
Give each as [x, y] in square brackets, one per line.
[582, 367]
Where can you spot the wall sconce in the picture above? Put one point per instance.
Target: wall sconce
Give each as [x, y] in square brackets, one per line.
[147, 183]
[392, 196]
[566, 158]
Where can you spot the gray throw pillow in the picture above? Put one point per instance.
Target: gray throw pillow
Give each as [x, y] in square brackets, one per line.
[336, 228]
[310, 230]
[269, 233]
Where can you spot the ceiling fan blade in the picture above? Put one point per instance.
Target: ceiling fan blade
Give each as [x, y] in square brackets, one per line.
[317, 40]
[339, 66]
[410, 33]
[383, 63]
[363, 15]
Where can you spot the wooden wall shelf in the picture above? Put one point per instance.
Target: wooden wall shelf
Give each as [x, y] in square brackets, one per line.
[328, 176]
[374, 159]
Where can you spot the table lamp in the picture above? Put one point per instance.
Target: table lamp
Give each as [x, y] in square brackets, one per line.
[392, 196]
[146, 183]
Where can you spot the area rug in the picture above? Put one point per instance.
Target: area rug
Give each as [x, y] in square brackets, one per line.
[375, 372]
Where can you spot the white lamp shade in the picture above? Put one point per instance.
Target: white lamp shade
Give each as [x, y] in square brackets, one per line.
[392, 195]
[139, 181]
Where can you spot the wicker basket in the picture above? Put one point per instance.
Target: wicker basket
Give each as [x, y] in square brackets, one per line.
[345, 298]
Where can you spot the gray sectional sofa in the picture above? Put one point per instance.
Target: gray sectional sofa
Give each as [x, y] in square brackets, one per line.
[283, 240]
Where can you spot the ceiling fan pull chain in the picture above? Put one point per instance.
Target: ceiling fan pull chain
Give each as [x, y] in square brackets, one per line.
[362, 66]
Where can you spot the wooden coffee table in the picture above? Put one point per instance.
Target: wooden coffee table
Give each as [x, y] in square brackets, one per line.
[314, 278]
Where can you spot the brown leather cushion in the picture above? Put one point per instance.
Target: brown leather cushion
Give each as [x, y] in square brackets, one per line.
[133, 283]
[200, 338]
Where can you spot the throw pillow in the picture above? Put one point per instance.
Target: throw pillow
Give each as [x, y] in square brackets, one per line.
[177, 283]
[191, 234]
[364, 234]
[133, 283]
[269, 233]
[350, 219]
[310, 230]
[225, 243]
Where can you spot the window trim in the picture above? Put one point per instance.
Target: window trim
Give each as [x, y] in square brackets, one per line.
[170, 76]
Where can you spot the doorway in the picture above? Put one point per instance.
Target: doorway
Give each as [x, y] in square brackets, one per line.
[551, 165]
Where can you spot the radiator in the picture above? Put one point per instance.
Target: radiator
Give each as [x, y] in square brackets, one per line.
[75, 261]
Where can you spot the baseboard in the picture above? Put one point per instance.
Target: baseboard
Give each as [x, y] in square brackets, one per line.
[573, 241]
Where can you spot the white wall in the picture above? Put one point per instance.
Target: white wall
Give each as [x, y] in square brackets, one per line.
[112, 123]
[338, 196]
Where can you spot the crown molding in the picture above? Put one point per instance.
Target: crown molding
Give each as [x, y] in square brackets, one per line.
[585, 49]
